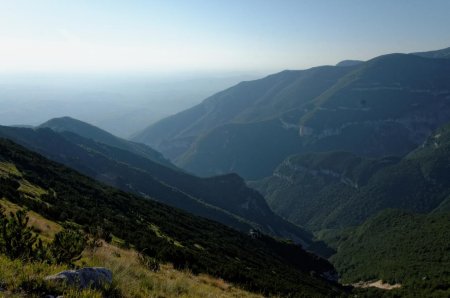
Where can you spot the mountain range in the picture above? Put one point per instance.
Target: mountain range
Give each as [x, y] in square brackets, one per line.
[385, 106]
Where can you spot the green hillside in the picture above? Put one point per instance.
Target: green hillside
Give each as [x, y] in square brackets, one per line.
[226, 199]
[252, 150]
[246, 102]
[348, 201]
[259, 264]
[334, 190]
[309, 189]
[398, 247]
[271, 105]
[387, 87]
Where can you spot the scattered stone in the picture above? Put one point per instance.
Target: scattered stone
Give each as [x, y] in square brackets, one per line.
[95, 277]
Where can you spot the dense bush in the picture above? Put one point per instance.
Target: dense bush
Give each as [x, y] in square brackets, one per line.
[17, 241]
[67, 246]
[16, 238]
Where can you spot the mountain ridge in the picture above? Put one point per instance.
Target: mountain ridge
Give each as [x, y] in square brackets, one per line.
[226, 199]
[70, 124]
[384, 106]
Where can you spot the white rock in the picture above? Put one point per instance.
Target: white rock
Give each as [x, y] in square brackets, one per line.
[83, 278]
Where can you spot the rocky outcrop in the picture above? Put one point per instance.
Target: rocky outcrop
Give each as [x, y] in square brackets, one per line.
[288, 170]
[95, 277]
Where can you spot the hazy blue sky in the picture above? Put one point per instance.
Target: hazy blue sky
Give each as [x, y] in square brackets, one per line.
[210, 35]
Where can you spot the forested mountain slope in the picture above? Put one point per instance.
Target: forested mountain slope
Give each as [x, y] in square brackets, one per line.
[60, 194]
[337, 189]
[407, 249]
[226, 199]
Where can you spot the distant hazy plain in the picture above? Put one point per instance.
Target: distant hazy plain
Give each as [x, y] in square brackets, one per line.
[121, 104]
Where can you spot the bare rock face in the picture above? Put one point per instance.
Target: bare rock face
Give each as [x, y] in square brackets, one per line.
[94, 277]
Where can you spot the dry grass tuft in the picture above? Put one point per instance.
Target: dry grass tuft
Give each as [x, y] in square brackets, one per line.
[134, 280]
[131, 277]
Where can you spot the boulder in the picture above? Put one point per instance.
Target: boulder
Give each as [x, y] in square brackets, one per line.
[94, 277]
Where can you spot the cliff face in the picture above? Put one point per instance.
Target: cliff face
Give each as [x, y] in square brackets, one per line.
[341, 189]
[389, 101]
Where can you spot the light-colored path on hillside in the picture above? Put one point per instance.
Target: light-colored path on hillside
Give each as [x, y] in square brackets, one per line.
[376, 284]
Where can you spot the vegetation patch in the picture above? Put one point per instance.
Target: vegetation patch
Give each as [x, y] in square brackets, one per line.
[39, 224]
[158, 233]
[8, 169]
[31, 190]
[398, 247]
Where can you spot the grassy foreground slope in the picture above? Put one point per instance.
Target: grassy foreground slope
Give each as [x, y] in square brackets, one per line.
[130, 277]
[259, 264]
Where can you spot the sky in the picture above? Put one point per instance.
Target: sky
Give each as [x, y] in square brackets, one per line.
[211, 36]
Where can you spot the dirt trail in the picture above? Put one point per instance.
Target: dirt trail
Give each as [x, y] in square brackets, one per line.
[376, 284]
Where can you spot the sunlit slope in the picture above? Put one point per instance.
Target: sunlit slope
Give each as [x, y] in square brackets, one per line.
[131, 278]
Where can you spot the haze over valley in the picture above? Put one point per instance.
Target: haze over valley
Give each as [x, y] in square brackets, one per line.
[120, 103]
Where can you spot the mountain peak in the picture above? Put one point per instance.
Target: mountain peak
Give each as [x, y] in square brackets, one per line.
[348, 63]
[89, 131]
[67, 123]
